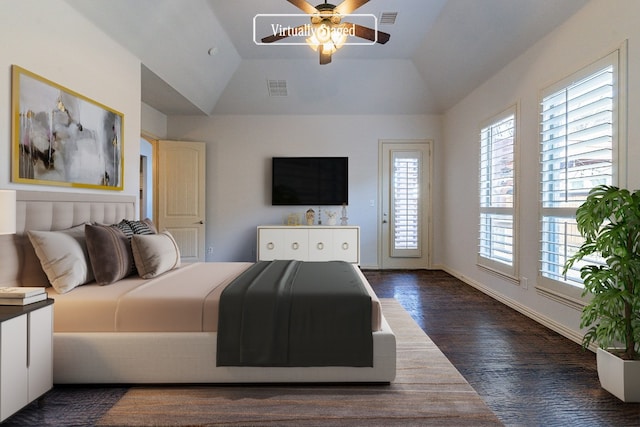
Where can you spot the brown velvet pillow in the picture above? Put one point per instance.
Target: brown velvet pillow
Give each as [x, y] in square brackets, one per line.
[110, 253]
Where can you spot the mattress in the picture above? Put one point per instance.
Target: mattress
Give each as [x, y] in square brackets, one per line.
[182, 300]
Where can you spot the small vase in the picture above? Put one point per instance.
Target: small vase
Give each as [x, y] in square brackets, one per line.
[344, 220]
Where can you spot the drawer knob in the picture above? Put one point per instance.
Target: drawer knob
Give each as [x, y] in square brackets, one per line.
[295, 245]
[345, 246]
[270, 245]
[320, 245]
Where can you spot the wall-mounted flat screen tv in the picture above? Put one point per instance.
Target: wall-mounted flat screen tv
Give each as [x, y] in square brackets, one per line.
[310, 181]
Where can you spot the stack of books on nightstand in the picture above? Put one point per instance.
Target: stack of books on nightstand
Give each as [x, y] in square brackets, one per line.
[21, 295]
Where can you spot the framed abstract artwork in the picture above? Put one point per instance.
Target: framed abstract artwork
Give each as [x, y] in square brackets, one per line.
[63, 138]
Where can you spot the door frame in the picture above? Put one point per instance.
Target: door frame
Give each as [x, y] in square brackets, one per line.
[428, 211]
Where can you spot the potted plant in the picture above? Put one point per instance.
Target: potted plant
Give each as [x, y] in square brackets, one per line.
[609, 222]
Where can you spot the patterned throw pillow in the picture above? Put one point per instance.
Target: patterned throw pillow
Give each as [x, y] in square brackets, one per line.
[130, 227]
[140, 227]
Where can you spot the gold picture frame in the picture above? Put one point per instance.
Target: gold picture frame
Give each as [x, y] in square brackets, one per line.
[63, 138]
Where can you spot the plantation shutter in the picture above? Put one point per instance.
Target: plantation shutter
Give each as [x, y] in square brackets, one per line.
[405, 204]
[577, 152]
[496, 238]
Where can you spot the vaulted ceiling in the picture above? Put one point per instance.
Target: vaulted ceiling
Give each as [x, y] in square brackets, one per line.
[200, 56]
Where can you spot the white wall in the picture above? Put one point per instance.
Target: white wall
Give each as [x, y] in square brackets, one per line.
[51, 39]
[239, 151]
[596, 30]
[153, 122]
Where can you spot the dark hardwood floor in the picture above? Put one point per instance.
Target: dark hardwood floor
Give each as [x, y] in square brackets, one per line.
[527, 374]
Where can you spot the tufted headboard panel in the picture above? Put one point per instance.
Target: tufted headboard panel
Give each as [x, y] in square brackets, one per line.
[40, 210]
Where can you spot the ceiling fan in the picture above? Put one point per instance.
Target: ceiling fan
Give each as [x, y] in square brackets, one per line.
[327, 31]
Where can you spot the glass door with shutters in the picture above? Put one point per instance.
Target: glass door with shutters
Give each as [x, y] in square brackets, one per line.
[404, 229]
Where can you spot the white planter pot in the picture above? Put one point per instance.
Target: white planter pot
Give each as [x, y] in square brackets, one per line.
[619, 377]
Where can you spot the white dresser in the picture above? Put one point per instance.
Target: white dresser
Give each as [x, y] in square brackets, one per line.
[309, 243]
[26, 358]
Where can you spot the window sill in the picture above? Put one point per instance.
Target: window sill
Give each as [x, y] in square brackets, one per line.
[571, 301]
[507, 276]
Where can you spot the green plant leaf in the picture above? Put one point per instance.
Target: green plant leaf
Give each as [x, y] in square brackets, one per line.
[609, 222]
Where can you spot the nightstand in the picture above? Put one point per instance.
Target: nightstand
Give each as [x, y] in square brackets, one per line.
[26, 354]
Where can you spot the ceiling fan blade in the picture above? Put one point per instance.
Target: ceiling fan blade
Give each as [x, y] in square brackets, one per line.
[369, 34]
[348, 6]
[325, 58]
[275, 37]
[304, 6]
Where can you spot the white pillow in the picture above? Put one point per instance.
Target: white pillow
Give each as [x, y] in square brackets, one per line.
[155, 254]
[63, 256]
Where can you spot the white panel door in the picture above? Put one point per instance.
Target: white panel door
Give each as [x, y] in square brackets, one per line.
[181, 195]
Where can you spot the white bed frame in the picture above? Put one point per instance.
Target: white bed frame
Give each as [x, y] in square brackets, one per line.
[157, 357]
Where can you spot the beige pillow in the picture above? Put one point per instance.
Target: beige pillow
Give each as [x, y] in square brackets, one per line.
[63, 256]
[155, 254]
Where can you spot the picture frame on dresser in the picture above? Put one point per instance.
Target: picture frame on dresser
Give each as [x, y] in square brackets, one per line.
[63, 138]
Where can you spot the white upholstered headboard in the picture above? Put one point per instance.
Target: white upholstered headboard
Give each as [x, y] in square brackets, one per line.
[45, 210]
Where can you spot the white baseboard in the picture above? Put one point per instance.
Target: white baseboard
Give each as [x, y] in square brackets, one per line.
[534, 315]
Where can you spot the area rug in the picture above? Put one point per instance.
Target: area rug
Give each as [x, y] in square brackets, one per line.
[428, 390]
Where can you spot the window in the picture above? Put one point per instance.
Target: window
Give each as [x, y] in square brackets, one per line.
[406, 207]
[496, 239]
[579, 145]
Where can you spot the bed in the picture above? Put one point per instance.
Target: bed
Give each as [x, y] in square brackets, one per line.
[130, 350]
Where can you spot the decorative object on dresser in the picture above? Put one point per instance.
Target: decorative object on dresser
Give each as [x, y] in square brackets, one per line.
[21, 295]
[344, 220]
[332, 215]
[310, 216]
[26, 355]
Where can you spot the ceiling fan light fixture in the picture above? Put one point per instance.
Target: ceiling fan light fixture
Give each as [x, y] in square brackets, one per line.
[313, 42]
[323, 32]
[331, 37]
[338, 37]
[327, 33]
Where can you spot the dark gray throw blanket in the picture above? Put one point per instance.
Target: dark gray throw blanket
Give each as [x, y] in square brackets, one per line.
[294, 313]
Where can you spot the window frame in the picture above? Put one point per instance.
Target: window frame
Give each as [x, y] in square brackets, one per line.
[508, 271]
[563, 291]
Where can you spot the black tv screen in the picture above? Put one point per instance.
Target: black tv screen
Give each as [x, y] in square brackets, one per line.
[314, 181]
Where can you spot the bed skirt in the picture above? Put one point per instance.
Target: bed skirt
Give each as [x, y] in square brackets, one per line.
[152, 358]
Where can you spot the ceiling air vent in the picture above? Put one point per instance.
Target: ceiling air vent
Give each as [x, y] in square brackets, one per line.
[277, 87]
[388, 18]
